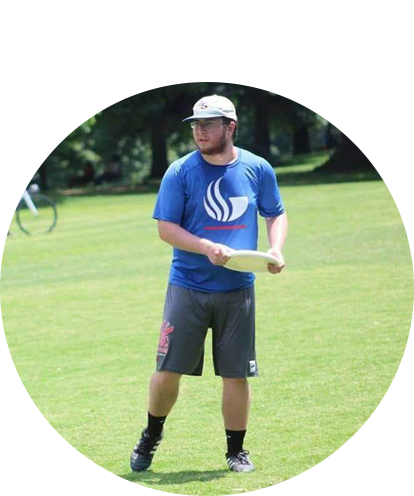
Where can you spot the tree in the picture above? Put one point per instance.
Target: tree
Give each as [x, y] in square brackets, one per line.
[371, 135]
[56, 117]
[152, 116]
[274, 114]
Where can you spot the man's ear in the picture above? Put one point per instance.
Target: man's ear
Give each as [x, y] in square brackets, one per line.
[231, 127]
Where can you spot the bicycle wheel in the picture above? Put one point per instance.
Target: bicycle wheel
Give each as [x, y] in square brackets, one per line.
[43, 222]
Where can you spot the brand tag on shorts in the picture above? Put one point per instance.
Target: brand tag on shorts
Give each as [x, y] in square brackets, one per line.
[252, 364]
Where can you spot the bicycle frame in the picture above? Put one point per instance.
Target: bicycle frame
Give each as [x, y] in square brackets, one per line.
[23, 195]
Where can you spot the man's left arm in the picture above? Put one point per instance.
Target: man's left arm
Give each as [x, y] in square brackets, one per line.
[276, 232]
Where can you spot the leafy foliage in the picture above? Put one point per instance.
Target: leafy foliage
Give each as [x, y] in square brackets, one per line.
[56, 117]
[146, 131]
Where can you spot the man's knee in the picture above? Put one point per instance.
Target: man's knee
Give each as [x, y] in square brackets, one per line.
[165, 379]
[235, 381]
[236, 386]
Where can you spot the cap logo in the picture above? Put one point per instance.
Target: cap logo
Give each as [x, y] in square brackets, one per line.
[211, 107]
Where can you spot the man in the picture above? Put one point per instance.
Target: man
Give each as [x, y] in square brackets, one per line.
[206, 208]
[8, 157]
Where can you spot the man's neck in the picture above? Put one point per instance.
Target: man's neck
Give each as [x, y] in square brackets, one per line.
[224, 158]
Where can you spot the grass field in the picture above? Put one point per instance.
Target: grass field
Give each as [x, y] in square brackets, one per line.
[82, 310]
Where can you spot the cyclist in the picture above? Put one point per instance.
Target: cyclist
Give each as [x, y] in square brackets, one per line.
[8, 157]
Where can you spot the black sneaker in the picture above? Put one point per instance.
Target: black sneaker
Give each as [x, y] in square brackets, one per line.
[143, 453]
[240, 462]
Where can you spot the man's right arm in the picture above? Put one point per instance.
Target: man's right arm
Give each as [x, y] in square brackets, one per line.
[175, 235]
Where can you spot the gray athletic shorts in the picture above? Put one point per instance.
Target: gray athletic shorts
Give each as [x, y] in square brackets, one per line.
[189, 314]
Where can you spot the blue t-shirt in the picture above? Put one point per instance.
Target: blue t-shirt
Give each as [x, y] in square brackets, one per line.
[219, 203]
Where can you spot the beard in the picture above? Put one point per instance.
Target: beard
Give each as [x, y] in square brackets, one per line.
[214, 149]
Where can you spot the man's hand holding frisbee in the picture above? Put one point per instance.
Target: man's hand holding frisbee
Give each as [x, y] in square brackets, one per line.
[272, 268]
[219, 254]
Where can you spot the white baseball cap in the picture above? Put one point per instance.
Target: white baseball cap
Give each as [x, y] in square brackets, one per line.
[213, 106]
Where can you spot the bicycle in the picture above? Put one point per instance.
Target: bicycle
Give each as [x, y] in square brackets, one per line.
[36, 213]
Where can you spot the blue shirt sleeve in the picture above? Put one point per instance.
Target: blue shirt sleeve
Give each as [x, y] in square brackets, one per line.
[270, 202]
[170, 201]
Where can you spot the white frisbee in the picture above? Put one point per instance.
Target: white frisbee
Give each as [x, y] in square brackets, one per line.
[250, 261]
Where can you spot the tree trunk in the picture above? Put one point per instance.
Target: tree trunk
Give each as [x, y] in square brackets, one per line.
[330, 139]
[43, 175]
[371, 136]
[262, 127]
[301, 140]
[159, 150]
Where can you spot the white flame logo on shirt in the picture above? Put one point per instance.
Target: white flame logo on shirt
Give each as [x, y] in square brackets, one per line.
[238, 204]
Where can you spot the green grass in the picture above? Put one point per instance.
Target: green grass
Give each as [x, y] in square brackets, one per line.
[82, 310]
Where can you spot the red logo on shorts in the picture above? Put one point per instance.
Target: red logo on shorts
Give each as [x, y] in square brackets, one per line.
[164, 343]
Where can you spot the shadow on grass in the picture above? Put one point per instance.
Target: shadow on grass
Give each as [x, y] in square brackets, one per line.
[315, 177]
[167, 478]
[321, 176]
[309, 169]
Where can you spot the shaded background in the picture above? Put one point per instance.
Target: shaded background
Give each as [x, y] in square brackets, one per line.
[138, 137]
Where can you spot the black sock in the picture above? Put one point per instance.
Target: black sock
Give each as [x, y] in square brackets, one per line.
[155, 425]
[234, 441]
